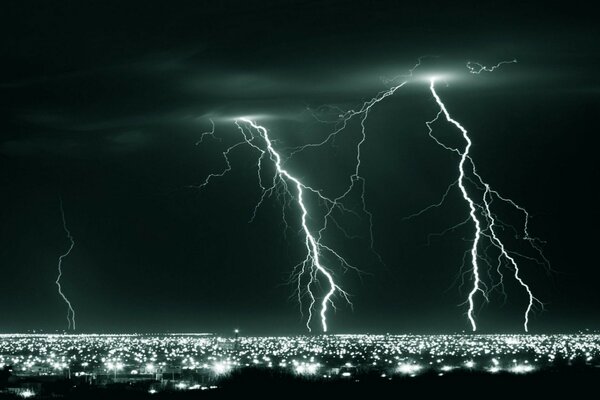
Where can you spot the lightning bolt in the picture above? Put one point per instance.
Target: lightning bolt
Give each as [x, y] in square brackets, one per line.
[472, 208]
[312, 267]
[257, 137]
[70, 310]
[313, 243]
[483, 227]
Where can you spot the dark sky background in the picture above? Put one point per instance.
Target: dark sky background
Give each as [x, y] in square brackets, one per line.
[102, 104]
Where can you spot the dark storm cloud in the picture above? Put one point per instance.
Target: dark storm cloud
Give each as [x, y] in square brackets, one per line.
[92, 108]
[109, 102]
[75, 73]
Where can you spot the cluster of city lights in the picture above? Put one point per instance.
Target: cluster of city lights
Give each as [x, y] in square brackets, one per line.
[316, 356]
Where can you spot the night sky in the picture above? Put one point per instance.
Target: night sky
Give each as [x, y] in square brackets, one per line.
[102, 105]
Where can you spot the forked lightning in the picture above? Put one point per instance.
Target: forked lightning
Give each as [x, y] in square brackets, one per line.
[314, 269]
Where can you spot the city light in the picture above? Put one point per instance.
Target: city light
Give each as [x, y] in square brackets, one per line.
[409, 369]
[221, 368]
[27, 394]
[211, 358]
[306, 368]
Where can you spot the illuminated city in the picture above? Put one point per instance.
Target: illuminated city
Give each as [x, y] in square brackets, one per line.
[201, 361]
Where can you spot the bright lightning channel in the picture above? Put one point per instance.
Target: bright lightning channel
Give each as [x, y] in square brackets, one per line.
[312, 266]
[313, 244]
[473, 210]
[70, 310]
[483, 207]
[257, 137]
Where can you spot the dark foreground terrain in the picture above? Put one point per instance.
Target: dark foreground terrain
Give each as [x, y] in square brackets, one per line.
[568, 381]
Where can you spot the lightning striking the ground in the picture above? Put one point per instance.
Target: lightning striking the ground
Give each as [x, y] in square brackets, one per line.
[313, 243]
[472, 208]
[312, 269]
[306, 274]
[487, 200]
[70, 310]
[476, 193]
[484, 221]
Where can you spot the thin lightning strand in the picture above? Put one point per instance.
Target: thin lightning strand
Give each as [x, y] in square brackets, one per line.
[432, 206]
[504, 253]
[477, 68]
[225, 171]
[472, 208]
[533, 241]
[210, 133]
[341, 123]
[70, 311]
[345, 117]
